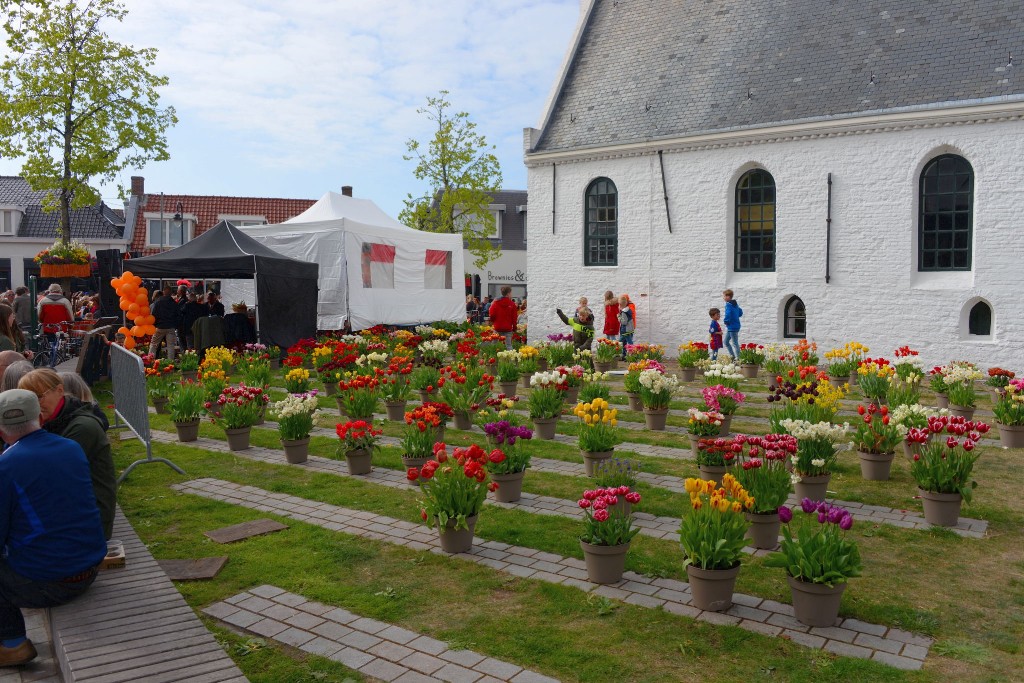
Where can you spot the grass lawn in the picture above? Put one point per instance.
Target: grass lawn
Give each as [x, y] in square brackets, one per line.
[966, 593]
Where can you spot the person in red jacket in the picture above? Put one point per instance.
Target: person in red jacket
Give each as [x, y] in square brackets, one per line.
[54, 312]
[504, 314]
[611, 315]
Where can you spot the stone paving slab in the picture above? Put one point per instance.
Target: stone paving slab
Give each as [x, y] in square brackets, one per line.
[656, 527]
[238, 532]
[524, 562]
[42, 669]
[381, 651]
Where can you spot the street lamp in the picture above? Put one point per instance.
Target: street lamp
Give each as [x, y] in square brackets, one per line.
[181, 223]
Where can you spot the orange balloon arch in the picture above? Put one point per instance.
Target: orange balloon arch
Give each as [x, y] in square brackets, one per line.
[135, 304]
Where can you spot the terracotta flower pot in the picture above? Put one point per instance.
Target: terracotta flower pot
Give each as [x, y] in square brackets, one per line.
[965, 412]
[187, 431]
[463, 421]
[605, 563]
[875, 466]
[749, 370]
[508, 388]
[1011, 436]
[296, 451]
[712, 588]
[457, 540]
[395, 410]
[359, 461]
[238, 439]
[656, 418]
[408, 463]
[510, 486]
[723, 429]
[941, 509]
[592, 458]
[160, 403]
[712, 472]
[687, 374]
[816, 604]
[763, 531]
[544, 428]
[814, 488]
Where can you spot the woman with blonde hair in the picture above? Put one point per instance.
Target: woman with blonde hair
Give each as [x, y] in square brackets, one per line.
[71, 418]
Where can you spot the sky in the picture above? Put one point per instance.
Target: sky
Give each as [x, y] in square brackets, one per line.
[292, 99]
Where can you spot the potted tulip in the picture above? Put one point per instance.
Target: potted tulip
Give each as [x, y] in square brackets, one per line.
[295, 415]
[607, 533]
[751, 357]
[914, 416]
[464, 391]
[606, 355]
[876, 438]
[528, 364]
[433, 352]
[158, 382]
[599, 432]
[960, 390]
[690, 354]
[620, 476]
[395, 388]
[656, 392]
[702, 425]
[296, 381]
[815, 455]
[188, 363]
[715, 455]
[236, 410]
[942, 468]
[573, 377]
[424, 380]
[545, 402]
[256, 372]
[508, 473]
[725, 374]
[358, 396]
[507, 370]
[358, 441]
[873, 376]
[998, 380]
[818, 565]
[713, 536]
[454, 489]
[764, 475]
[1009, 412]
[938, 384]
[631, 383]
[724, 400]
[419, 436]
[185, 404]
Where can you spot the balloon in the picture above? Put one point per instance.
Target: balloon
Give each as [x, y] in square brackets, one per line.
[150, 320]
[144, 291]
[137, 280]
[141, 299]
[127, 276]
[116, 282]
[133, 308]
[129, 343]
[151, 330]
[123, 305]
[136, 331]
[123, 330]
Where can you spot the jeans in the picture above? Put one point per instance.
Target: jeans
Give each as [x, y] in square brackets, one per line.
[52, 339]
[626, 339]
[732, 343]
[16, 592]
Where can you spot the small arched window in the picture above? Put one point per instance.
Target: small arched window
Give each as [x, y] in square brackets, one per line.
[755, 222]
[979, 323]
[601, 232]
[946, 214]
[794, 323]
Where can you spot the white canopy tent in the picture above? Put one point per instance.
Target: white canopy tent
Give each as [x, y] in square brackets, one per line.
[373, 269]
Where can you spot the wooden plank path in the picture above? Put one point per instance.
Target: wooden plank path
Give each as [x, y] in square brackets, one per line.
[133, 625]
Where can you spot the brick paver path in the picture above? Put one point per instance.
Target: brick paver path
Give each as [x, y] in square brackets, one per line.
[374, 648]
[42, 669]
[848, 637]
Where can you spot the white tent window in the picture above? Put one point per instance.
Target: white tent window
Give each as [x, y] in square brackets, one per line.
[437, 271]
[378, 266]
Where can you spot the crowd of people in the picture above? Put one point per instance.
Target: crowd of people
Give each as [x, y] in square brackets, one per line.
[180, 316]
[58, 479]
[478, 311]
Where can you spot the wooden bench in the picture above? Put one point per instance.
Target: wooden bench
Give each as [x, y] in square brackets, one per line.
[133, 625]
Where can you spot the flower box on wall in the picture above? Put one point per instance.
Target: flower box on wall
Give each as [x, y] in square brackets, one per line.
[61, 270]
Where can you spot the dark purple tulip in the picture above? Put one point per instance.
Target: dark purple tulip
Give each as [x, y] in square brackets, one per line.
[822, 517]
[808, 505]
[823, 506]
[846, 522]
[835, 514]
[785, 514]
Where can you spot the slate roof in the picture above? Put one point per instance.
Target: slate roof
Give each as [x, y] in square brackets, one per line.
[98, 222]
[208, 209]
[665, 68]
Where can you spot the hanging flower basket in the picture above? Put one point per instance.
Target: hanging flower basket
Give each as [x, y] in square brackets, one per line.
[61, 270]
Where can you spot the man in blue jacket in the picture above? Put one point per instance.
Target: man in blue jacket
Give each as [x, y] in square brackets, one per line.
[732, 316]
[49, 523]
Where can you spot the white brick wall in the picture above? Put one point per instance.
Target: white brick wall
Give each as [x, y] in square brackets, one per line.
[875, 296]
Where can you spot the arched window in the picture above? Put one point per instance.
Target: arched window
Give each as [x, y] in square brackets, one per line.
[601, 232]
[755, 221]
[946, 214]
[980, 320]
[794, 323]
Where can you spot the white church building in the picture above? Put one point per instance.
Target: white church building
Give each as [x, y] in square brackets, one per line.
[852, 170]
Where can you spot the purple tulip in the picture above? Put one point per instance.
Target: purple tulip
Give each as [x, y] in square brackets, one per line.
[808, 505]
[835, 514]
[823, 506]
[785, 514]
[822, 517]
[846, 522]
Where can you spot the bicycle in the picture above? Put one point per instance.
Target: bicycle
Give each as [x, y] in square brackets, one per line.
[44, 349]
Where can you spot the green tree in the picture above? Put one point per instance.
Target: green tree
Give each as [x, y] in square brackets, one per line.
[462, 175]
[77, 105]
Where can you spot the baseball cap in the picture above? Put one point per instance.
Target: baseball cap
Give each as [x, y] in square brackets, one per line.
[18, 406]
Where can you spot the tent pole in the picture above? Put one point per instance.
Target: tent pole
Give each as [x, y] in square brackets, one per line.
[256, 293]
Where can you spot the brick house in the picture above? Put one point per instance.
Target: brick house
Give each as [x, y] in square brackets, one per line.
[851, 174]
[158, 222]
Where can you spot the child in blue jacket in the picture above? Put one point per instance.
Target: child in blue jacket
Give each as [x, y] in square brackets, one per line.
[733, 313]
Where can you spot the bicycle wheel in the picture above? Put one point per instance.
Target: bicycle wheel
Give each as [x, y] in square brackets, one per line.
[41, 360]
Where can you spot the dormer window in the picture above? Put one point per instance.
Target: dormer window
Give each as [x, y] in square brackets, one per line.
[10, 219]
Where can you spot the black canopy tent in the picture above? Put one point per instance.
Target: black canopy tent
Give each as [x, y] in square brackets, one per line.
[286, 288]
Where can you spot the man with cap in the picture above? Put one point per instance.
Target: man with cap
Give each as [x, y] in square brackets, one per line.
[49, 524]
[54, 310]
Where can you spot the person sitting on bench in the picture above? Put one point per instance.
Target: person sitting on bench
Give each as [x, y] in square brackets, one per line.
[49, 524]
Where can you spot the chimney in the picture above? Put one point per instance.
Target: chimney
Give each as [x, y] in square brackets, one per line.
[138, 186]
[346, 190]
